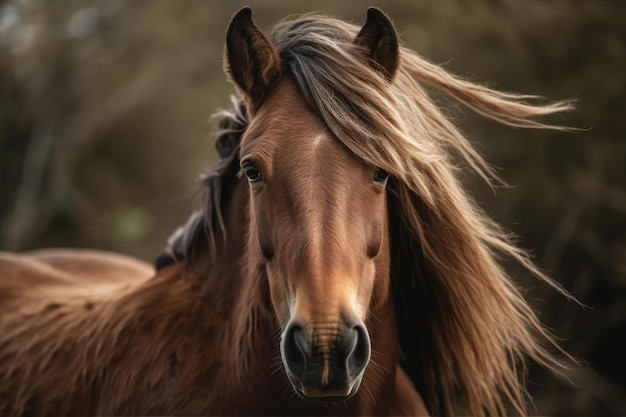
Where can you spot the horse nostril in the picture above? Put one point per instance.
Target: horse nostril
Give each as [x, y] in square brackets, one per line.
[359, 356]
[295, 349]
[328, 369]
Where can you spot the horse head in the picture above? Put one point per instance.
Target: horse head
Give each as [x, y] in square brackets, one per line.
[318, 213]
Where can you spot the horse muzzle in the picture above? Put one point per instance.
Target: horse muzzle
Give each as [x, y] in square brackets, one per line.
[325, 364]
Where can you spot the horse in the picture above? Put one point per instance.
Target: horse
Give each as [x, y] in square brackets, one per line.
[337, 266]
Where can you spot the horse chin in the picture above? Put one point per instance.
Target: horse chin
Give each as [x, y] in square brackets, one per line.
[311, 393]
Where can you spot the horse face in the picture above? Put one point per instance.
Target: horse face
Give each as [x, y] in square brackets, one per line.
[318, 216]
[319, 226]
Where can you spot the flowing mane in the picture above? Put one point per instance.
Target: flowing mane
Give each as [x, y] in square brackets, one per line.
[463, 324]
[204, 225]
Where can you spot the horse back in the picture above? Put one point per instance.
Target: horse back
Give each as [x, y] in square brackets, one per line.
[68, 269]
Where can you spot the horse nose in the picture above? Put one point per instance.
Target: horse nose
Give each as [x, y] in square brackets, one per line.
[296, 349]
[330, 372]
[359, 351]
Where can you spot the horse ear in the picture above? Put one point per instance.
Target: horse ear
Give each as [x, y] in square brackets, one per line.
[380, 40]
[252, 62]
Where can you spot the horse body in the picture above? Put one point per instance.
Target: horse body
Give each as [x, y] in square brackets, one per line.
[337, 266]
[144, 346]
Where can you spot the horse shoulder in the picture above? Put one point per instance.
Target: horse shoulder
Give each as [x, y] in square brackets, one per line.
[63, 316]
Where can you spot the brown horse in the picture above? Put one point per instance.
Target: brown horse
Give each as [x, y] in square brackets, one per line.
[337, 267]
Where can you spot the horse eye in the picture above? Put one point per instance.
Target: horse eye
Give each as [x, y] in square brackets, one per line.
[381, 176]
[253, 174]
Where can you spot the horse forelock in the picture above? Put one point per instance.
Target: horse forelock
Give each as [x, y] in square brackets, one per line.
[473, 328]
[205, 225]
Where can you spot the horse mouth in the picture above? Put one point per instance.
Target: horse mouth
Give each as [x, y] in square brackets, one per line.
[336, 395]
[326, 398]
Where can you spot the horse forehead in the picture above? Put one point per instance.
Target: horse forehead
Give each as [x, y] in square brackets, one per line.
[322, 163]
[290, 134]
[284, 110]
[317, 149]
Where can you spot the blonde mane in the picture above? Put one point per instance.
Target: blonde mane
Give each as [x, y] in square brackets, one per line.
[477, 327]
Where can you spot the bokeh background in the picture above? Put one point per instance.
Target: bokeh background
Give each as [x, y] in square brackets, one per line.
[104, 128]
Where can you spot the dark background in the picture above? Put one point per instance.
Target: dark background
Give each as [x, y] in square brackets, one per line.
[104, 128]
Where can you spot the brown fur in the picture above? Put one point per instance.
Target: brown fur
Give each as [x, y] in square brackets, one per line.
[94, 333]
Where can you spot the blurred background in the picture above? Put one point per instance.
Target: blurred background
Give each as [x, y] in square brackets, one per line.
[104, 128]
